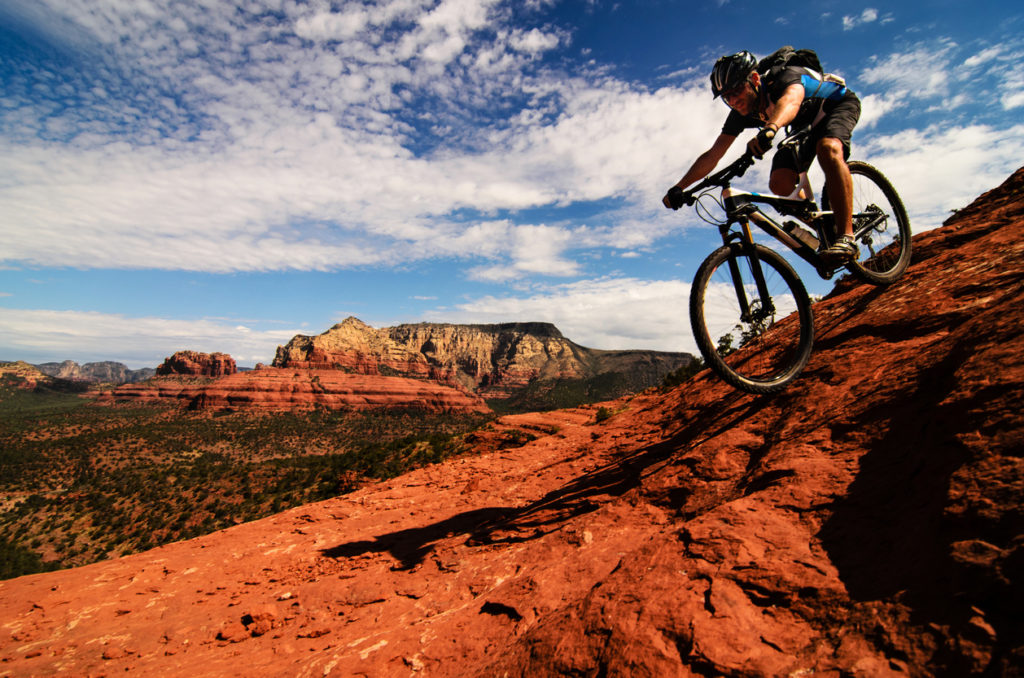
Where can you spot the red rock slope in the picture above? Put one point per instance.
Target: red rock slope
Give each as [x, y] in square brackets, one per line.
[866, 522]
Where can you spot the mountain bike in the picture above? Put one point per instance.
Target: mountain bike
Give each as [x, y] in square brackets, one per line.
[747, 296]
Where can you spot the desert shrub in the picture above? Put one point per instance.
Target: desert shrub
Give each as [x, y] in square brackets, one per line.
[683, 374]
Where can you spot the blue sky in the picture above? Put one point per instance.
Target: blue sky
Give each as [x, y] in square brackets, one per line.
[220, 176]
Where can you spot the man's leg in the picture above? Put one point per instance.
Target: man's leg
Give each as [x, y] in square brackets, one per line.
[838, 182]
[783, 181]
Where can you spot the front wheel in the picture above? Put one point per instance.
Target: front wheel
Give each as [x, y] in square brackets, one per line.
[748, 332]
[880, 226]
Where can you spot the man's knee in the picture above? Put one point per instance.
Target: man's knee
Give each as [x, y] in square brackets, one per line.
[783, 181]
[831, 151]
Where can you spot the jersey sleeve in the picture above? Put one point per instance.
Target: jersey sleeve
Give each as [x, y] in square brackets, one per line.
[736, 123]
[778, 82]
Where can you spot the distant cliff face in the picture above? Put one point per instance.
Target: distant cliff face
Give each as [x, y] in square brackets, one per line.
[195, 364]
[271, 389]
[105, 372]
[497, 361]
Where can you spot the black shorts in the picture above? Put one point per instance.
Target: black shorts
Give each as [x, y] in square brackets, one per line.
[839, 123]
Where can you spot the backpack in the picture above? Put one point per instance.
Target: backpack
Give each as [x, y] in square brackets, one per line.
[787, 57]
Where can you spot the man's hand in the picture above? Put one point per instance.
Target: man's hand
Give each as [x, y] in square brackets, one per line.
[760, 144]
[675, 198]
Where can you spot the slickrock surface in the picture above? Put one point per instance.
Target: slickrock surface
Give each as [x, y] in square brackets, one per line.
[865, 522]
[299, 389]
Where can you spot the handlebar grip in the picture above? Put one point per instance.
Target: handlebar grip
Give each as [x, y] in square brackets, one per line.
[742, 164]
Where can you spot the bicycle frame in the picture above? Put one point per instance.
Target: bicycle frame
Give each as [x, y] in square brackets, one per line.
[741, 208]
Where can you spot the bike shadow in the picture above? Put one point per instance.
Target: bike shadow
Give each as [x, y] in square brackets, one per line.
[584, 494]
[826, 328]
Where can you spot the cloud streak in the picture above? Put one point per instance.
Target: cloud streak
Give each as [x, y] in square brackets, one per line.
[595, 313]
[314, 141]
[43, 335]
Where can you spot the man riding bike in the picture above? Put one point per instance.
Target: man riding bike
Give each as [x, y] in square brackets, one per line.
[783, 95]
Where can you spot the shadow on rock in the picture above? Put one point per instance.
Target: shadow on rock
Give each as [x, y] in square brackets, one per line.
[586, 493]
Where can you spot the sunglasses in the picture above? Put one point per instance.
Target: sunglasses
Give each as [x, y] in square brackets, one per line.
[730, 95]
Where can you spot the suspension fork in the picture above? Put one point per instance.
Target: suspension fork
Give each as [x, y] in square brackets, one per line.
[746, 241]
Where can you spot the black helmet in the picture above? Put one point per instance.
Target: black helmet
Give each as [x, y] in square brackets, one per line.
[731, 71]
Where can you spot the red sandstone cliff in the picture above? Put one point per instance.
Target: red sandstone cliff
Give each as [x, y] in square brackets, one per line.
[300, 389]
[19, 374]
[494, 361]
[865, 522]
[195, 364]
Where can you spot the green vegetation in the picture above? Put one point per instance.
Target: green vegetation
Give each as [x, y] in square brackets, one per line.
[542, 395]
[17, 560]
[684, 373]
[81, 482]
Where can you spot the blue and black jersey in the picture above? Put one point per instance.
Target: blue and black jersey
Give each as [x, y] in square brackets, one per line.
[821, 96]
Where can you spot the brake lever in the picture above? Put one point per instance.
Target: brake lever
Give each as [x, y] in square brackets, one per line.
[744, 163]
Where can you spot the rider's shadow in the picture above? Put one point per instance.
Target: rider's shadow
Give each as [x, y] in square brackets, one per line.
[497, 525]
[584, 494]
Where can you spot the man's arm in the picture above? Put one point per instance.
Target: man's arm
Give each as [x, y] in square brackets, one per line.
[783, 112]
[704, 163]
[786, 107]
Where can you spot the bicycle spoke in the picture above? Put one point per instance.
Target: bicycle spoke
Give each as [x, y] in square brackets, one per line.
[760, 345]
[883, 230]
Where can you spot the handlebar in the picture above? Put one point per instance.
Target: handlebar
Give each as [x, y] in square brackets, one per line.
[721, 177]
[738, 167]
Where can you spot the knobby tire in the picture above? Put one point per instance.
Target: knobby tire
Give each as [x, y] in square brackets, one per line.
[762, 363]
[885, 250]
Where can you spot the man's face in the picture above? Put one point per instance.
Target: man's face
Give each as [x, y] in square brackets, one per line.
[742, 99]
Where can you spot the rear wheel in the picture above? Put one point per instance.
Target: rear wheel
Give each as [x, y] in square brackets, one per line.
[880, 225]
[764, 347]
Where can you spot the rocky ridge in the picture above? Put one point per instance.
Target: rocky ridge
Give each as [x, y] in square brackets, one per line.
[865, 522]
[495, 361]
[21, 374]
[196, 364]
[105, 372]
[425, 366]
[270, 389]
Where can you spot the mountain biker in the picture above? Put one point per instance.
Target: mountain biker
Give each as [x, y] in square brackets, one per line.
[785, 95]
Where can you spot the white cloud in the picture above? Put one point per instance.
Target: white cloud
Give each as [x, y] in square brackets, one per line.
[874, 107]
[852, 21]
[46, 335]
[983, 57]
[919, 73]
[974, 159]
[534, 41]
[620, 313]
[327, 25]
[1012, 100]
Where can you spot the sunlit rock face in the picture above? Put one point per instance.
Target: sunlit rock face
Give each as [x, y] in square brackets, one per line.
[494, 361]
